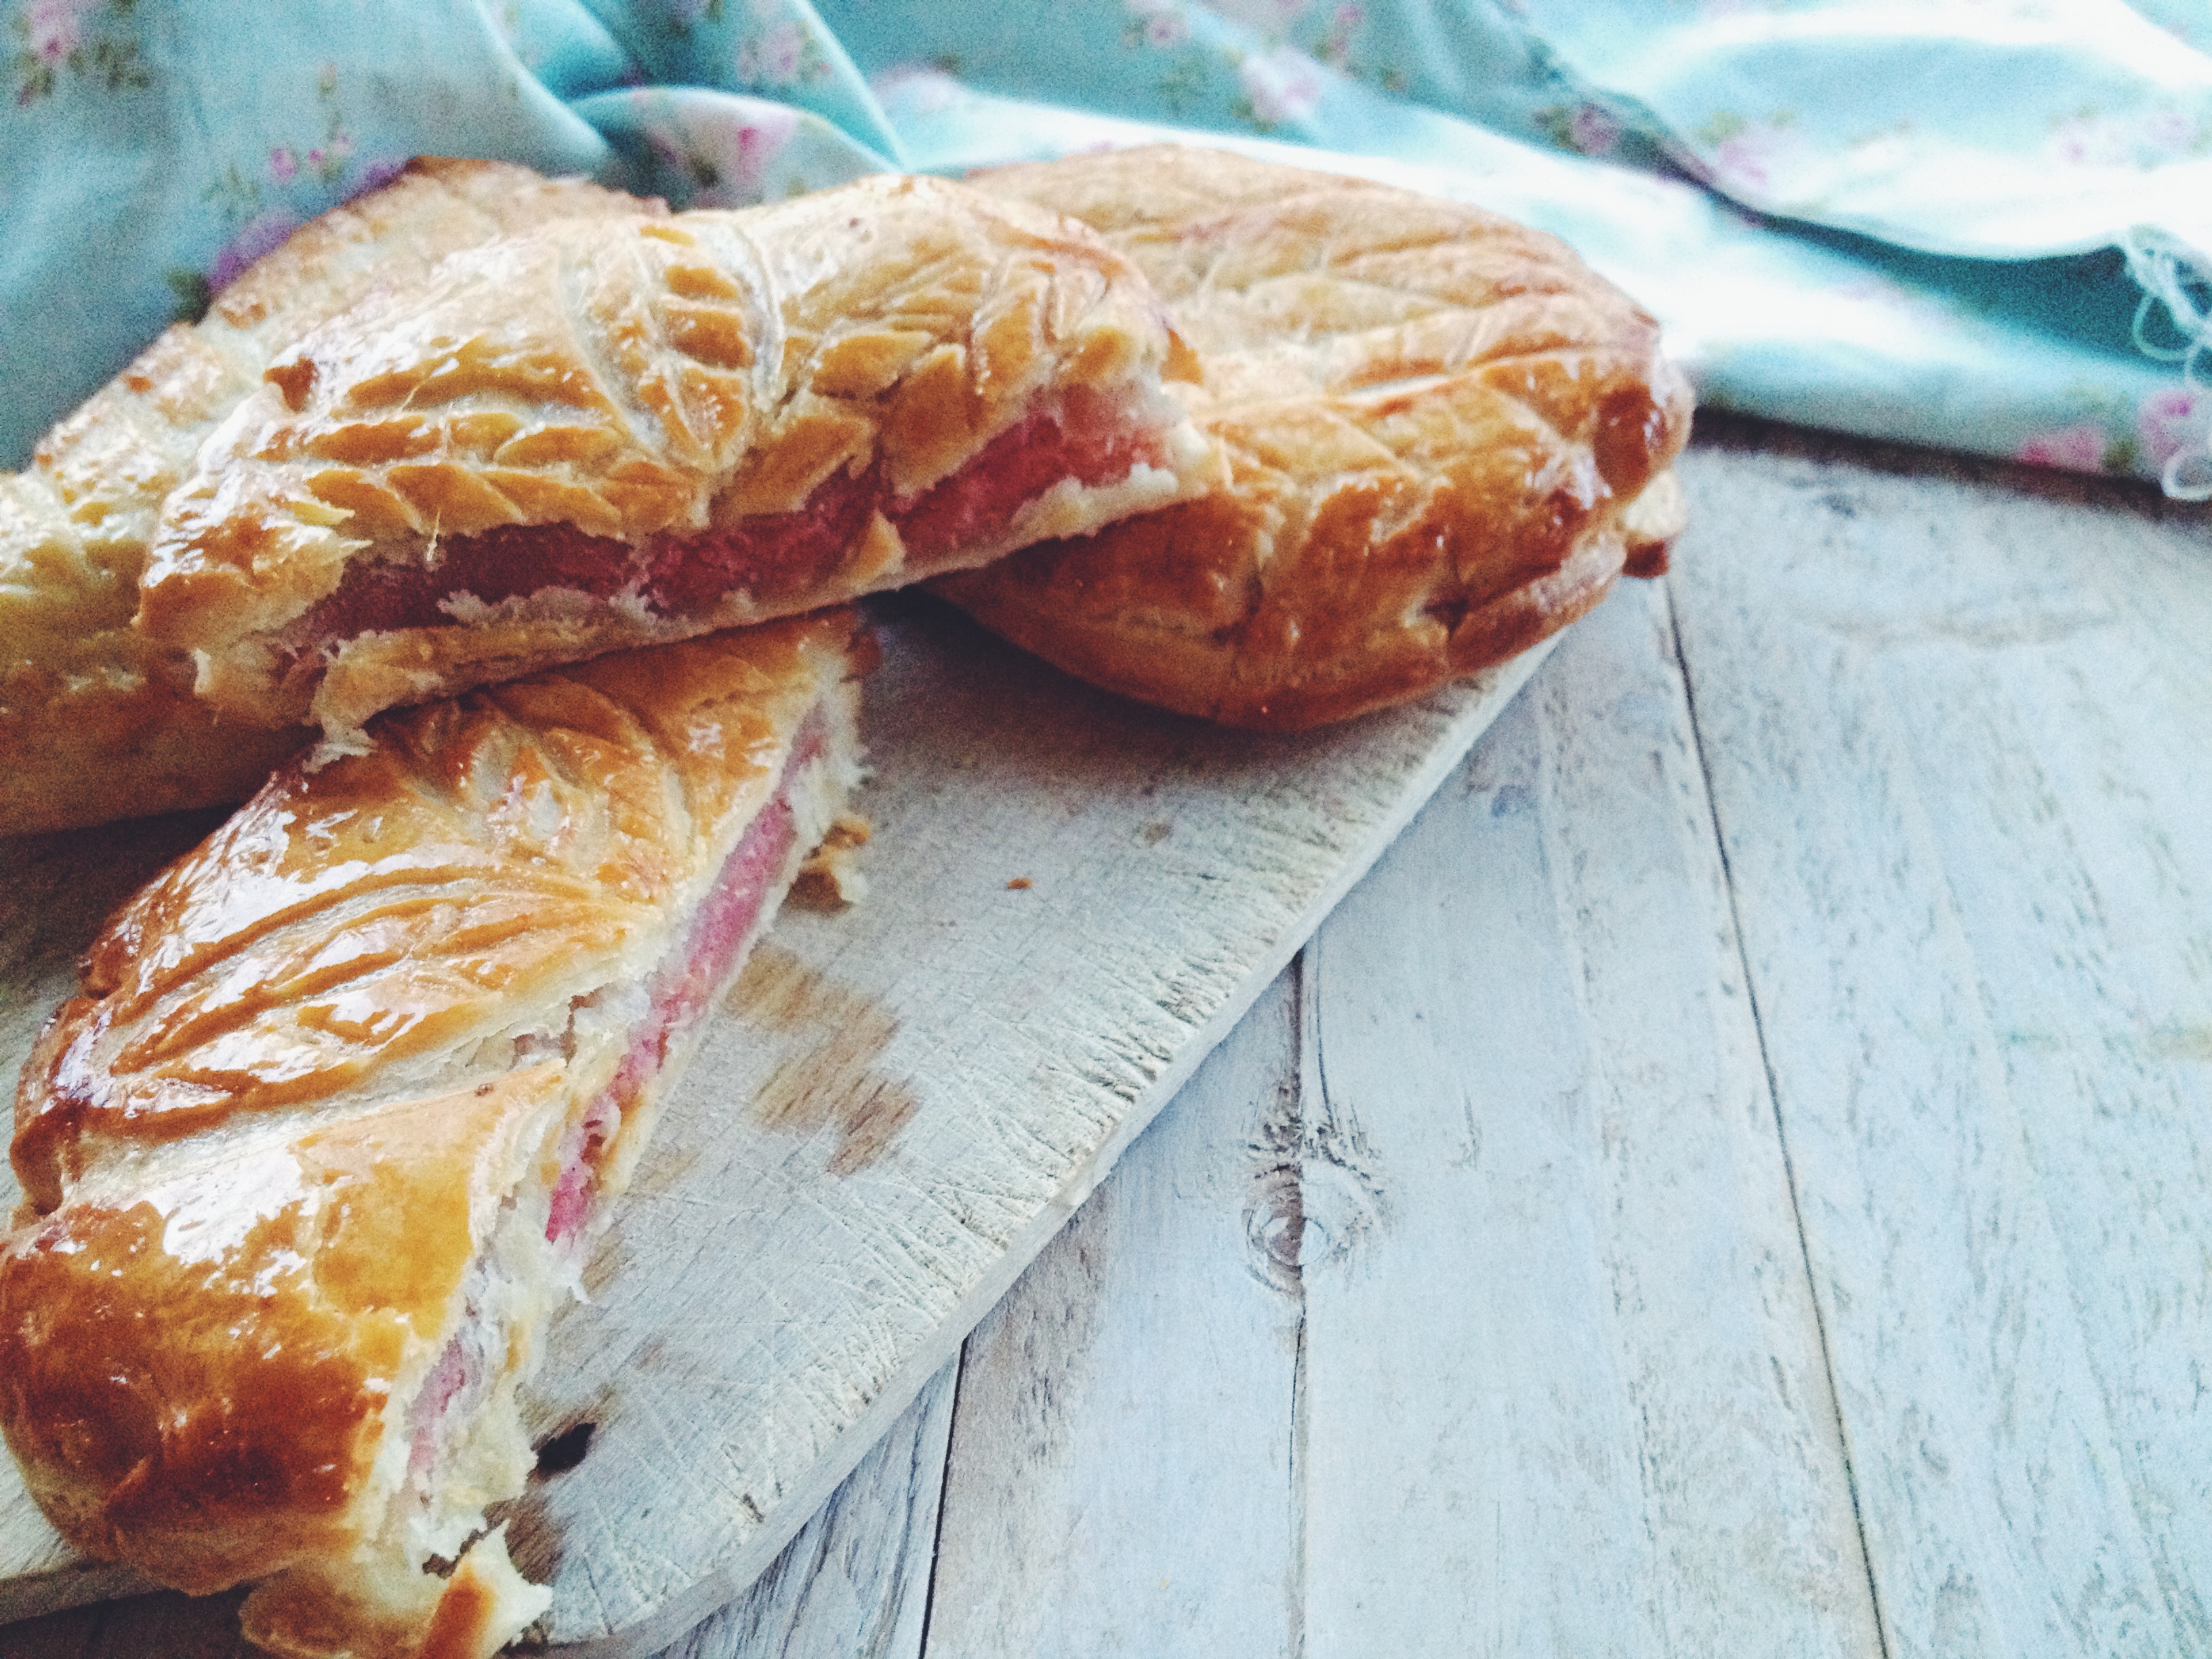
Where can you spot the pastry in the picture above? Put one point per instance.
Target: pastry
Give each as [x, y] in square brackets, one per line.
[593, 436]
[96, 721]
[1446, 437]
[319, 1147]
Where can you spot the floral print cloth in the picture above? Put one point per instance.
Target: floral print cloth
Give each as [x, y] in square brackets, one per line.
[1969, 223]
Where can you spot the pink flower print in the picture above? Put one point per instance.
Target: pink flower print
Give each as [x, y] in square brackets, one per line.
[1283, 85]
[1335, 46]
[2073, 448]
[2086, 141]
[376, 174]
[775, 58]
[2174, 420]
[785, 47]
[1740, 160]
[733, 158]
[2168, 131]
[55, 27]
[1592, 131]
[1751, 158]
[283, 164]
[255, 238]
[1159, 22]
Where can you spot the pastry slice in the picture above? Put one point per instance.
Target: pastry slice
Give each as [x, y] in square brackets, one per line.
[97, 721]
[1446, 437]
[319, 1148]
[595, 436]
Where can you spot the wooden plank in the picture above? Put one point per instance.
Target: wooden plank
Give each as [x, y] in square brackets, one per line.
[1120, 1479]
[852, 1585]
[1458, 1306]
[1557, 1326]
[1956, 722]
[906, 1100]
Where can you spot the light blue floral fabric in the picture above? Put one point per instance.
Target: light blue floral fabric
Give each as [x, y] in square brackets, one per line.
[1968, 224]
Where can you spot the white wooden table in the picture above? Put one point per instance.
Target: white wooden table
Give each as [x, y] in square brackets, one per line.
[1736, 1179]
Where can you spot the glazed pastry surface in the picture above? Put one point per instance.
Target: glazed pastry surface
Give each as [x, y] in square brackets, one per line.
[348, 1080]
[592, 435]
[96, 722]
[1445, 435]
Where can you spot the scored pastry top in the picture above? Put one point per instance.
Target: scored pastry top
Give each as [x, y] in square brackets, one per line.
[353, 931]
[297, 1283]
[638, 378]
[97, 721]
[1444, 437]
[1288, 281]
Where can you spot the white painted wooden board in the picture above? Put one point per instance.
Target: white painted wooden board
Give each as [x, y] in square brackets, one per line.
[1457, 1306]
[901, 1104]
[1959, 726]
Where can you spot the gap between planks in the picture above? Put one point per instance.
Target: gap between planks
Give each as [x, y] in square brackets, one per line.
[1129, 1410]
[1766, 1066]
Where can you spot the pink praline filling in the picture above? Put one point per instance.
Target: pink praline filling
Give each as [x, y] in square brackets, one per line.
[677, 995]
[1089, 437]
[680, 988]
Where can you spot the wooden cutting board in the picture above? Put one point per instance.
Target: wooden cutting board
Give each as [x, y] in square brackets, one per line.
[1074, 899]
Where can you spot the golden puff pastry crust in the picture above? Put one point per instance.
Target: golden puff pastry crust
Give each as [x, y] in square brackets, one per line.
[97, 721]
[1445, 438]
[310, 1160]
[595, 435]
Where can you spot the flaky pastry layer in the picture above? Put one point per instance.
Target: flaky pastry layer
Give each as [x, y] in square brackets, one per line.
[96, 721]
[625, 403]
[1443, 433]
[314, 1156]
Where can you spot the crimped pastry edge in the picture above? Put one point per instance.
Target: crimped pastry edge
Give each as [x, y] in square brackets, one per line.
[1170, 643]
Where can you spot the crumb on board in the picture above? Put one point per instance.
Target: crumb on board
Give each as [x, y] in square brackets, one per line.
[1018, 885]
[832, 870]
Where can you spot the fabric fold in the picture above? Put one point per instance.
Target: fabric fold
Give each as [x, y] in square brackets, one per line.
[1982, 227]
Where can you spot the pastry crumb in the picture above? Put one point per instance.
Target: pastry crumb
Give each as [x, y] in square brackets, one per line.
[1019, 884]
[831, 872]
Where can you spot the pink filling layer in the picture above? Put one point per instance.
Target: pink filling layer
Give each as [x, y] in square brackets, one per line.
[680, 989]
[1089, 437]
[677, 995]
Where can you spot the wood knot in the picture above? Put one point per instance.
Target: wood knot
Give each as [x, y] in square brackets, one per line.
[1274, 1227]
[1302, 1214]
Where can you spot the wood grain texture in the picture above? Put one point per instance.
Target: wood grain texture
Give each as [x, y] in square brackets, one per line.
[854, 1583]
[1956, 725]
[1457, 1307]
[1122, 1478]
[903, 1101]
